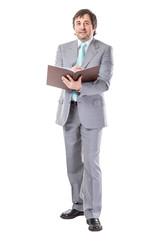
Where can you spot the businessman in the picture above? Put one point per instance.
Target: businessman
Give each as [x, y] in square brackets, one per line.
[81, 112]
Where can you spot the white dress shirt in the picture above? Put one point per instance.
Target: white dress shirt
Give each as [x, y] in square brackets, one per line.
[88, 43]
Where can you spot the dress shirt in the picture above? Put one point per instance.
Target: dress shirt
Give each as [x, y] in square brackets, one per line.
[88, 43]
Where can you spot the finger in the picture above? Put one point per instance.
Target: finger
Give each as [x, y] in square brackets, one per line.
[80, 68]
[80, 79]
[64, 78]
[65, 81]
[74, 68]
[69, 77]
[77, 68]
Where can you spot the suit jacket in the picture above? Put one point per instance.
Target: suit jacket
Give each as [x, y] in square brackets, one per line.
[91, 105]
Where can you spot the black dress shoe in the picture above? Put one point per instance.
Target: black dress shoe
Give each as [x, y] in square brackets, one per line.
[70, 214]
[94, 224]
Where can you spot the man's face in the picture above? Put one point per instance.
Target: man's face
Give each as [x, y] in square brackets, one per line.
[83, 28]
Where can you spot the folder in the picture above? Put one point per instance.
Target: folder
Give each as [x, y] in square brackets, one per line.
[54, 75]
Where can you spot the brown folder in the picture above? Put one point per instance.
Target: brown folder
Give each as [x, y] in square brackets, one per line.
[54, 75]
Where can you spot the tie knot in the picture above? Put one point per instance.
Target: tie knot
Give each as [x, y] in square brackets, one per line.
[83, 45]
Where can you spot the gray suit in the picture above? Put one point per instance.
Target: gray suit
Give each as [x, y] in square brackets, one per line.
[83, 124]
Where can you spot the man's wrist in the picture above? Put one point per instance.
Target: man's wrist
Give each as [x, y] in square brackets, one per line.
[78, 91]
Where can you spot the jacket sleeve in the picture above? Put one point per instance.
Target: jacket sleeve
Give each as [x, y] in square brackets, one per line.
[105, 73]
[59, 59]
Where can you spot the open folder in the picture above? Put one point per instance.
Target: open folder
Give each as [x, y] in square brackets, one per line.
[54, 75]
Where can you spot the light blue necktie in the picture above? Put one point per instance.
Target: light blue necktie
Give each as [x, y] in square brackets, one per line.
[79, 63]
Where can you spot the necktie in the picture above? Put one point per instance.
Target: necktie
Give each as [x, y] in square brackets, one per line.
[79, 63]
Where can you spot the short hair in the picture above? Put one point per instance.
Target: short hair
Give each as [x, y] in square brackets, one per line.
[93, 17]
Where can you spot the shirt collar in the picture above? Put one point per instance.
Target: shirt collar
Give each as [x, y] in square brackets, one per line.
[88, 42]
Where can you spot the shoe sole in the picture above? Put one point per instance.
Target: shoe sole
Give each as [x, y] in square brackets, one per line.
[94, 229]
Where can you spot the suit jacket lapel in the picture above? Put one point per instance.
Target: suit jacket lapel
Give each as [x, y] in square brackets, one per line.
[73, 52]
[91, 52]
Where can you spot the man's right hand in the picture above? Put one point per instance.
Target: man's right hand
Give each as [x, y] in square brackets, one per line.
[77, 68]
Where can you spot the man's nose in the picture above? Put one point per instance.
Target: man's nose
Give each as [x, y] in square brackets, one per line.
[82, 26]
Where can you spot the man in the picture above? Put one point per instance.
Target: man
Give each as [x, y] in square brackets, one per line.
[81, 112]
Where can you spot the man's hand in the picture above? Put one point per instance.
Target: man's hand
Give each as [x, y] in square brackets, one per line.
[71, 84]
[77, 68]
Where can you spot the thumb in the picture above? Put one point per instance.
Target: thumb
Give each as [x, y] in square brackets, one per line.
[80, 79]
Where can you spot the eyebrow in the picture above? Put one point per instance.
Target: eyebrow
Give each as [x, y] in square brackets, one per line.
[84, 21]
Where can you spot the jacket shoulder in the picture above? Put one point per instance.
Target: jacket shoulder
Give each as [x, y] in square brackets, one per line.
[68, 44]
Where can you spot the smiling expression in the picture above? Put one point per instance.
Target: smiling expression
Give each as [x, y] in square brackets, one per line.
[83, 28]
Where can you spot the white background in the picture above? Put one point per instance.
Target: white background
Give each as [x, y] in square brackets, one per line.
[34, 187]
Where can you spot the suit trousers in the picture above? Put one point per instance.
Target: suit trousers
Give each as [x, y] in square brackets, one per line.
[82, 155]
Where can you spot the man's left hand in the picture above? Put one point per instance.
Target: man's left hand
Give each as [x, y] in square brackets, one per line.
[71, 84]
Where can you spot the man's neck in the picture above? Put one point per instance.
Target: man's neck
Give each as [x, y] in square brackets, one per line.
[87, 42]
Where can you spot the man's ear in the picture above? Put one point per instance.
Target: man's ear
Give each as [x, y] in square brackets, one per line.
[94, 33]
